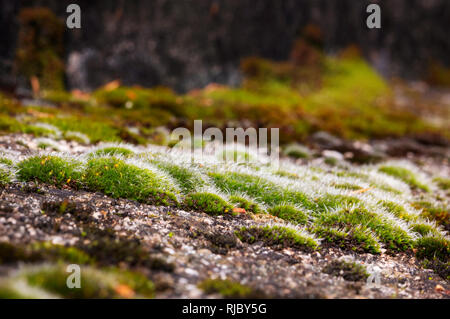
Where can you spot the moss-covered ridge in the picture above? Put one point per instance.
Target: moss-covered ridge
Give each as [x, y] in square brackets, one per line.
[376, 209]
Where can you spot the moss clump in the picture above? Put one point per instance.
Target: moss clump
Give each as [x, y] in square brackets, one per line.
[116, 178]
[405, 175]
[96, 283]
[208, 203]
[424, 229]
[398, 210]
[289, 213]
[440, 214]
[443, 183]
[42, 251]
[246, 204]
[187, 178]
[354, 238]
[257, 187]
[114, 151]
[97, 129]
[40, 47]
[431, 247]
[297, 151]
[277, 236]
[50, 169]
[228, 289]
[393, 236]
[6, 161]
[350, 271]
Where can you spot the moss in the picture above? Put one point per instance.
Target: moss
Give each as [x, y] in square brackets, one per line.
[188, 179]
[257, 187]
[297, 151]
[96, 129]
[349, 186]
[289, 213]
[228, 289]
[42, 251]
[439, 213]
[443, 183]
[277, 236]
[116, 178]
[107, 283]
[332, 161]
[398, 210]
[114, 151]
[442, 268]
[5, 177]
[50, 169]
[6, 161]
[246, 204]
[110, 249]
[424, 229]
[9, 124]
[431, 247]
[393, 236]
[405, 175]
[208, 203]
[350, 271]
[352, 238]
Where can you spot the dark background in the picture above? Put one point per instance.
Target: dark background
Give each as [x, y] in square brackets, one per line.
[187, 44]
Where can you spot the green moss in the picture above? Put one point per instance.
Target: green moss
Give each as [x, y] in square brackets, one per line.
[433, 247]
[5, 177]
[6, 161]
[355, 238]
[97, 130]
[347, 186]
[297, 151]
[398, 210]
[259, 188]
[246, 204]
[116, 178]
[42, 251]
[278, 236]
[50, 169]
[443, 183]
[439, 213]
[350, 271]
[107, 283]
[405, 175]
[188, 179]
[228, 289]
[40, 47]
[289, 213]
[393, 236]
[424, 229]
[114, 151]
[9, 124]
[208, 203]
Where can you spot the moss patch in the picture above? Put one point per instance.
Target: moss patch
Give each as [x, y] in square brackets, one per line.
[278, 236]
[208, 203]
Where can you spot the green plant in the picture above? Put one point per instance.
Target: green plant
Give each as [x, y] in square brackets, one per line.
[208, 203]
[50, 169]
[278, 236]
[228, 289]
[116, 178]
[350, 271]
[289, 213]
[405, 175]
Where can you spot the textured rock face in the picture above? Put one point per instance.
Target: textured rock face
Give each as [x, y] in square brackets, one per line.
[187, 44]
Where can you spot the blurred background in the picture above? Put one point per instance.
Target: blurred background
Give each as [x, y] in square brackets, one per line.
[189, 44]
